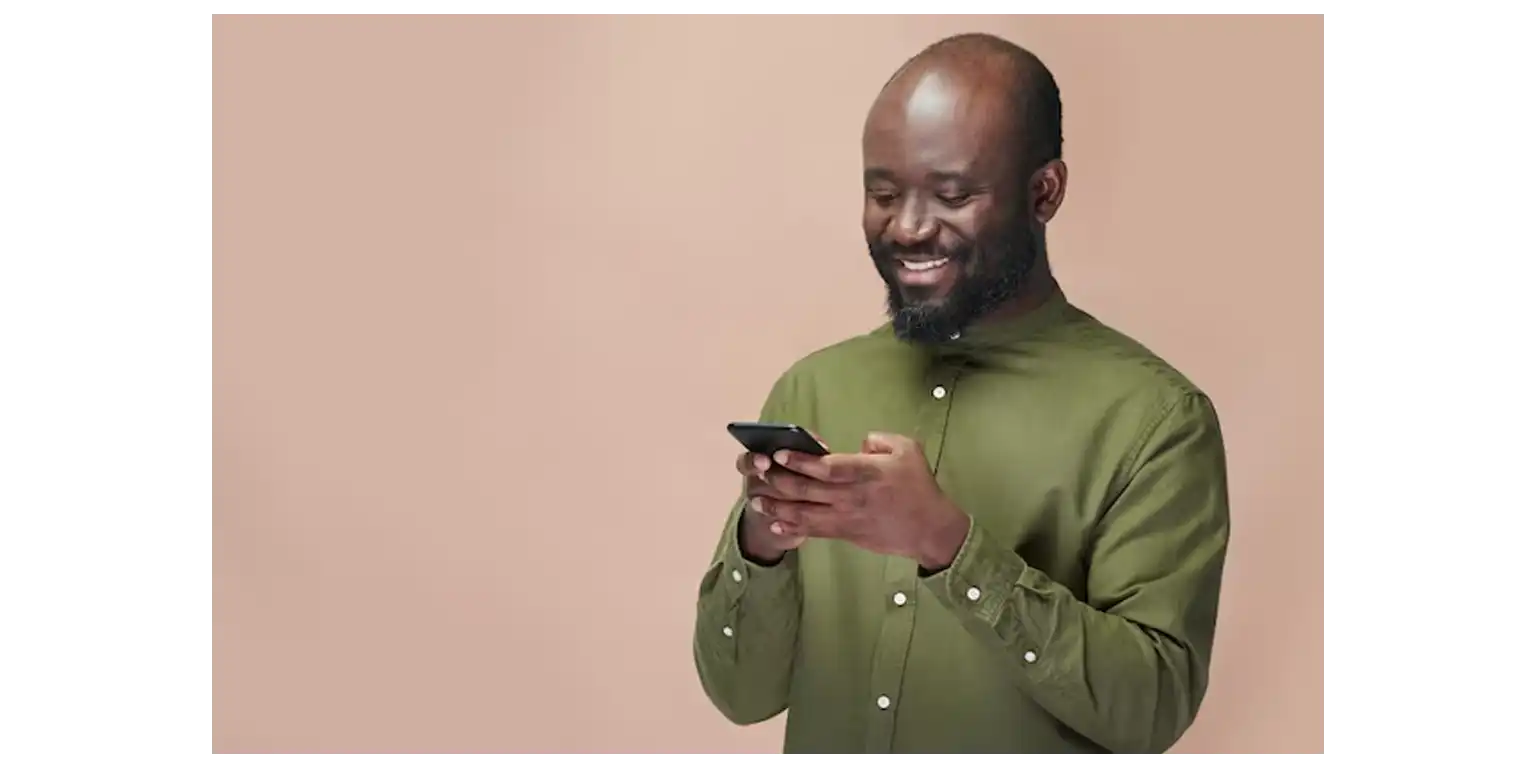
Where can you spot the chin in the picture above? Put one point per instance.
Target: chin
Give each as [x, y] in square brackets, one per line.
[925, 297]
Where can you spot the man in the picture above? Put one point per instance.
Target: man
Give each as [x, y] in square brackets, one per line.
[1017, 543]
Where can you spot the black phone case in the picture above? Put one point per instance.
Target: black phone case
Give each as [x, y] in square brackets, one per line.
[762, 438]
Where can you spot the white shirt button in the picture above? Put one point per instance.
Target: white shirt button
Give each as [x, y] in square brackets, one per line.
[900, 598]
[939, 393]
[736, 576]
[884, 702]
[1029, 657]
[973, 593]
[728, 631]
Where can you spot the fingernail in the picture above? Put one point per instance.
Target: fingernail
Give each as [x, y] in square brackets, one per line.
[781, 457]
[762, 463]
[756, 504]
[777, 528]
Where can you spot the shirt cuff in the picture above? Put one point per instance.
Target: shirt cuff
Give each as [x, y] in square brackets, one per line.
[751, 606]
[989, 588]
[980, 579]
[739, 573]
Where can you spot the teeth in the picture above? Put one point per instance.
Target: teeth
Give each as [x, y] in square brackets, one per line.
[924, 266]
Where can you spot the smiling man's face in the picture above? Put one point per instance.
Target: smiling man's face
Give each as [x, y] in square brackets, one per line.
[945, 209]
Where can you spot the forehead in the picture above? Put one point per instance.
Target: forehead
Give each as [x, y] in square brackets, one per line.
[935, 122]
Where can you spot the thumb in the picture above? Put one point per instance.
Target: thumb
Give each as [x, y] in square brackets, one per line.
[881, 442]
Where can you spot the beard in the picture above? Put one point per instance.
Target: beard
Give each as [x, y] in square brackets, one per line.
[992, 272]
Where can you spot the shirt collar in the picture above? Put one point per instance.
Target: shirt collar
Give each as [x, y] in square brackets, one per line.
[1002, 332]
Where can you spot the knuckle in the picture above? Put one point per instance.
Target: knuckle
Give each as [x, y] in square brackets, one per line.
[861, 498]
[781, 481]
[773, 479]
[788, 484]
[801, 485]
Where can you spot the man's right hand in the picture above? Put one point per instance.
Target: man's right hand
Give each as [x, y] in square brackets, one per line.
[765, 539]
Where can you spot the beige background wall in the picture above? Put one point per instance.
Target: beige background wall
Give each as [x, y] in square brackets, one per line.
[458, 258]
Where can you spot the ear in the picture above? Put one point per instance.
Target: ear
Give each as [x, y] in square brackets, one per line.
[1047, 190]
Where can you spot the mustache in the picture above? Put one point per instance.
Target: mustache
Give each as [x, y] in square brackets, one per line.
[886, 251]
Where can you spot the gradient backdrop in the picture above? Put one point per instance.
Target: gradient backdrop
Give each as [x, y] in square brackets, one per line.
[488, 289]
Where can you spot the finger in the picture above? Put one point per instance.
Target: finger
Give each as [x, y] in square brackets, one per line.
[790, 531]
[787, 513]
[756, 487]
[803, 519]
[787, 530]
[780, 530]
[790, 513]
[885, 442]
[789, 536]
[793, 486]
[822, 521]
[832, 468]
[752, 464]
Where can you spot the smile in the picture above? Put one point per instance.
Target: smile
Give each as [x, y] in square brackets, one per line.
[924, 266]
[932, 272]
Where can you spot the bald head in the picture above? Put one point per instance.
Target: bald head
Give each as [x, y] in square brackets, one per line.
[980, 73]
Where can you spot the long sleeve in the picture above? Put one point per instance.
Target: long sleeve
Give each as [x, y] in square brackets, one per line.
[748, 617]
[1127, 666]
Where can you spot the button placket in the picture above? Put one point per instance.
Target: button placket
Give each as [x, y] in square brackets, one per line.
[942, 382]
[933, 403]
[892, 646]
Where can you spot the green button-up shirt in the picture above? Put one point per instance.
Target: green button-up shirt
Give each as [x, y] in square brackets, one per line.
[1079, 613]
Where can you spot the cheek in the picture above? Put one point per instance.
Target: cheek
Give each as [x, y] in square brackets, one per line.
[985, 214]
[876, 219]
[989, 223]
[961, 227]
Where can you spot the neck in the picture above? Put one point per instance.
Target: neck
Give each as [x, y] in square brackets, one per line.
[1039, 287]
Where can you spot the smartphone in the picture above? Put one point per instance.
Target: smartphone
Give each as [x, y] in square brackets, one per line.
[765, 438]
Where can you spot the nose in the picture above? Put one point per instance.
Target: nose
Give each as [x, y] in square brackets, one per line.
[913, 225]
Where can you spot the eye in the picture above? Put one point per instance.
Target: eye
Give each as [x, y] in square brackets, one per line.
[883, 196]
[954, 199]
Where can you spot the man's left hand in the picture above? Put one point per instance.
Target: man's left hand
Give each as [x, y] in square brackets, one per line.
[884, 499]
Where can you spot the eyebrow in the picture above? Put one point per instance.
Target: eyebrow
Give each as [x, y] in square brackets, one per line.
[934, 177]
[954, 177]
